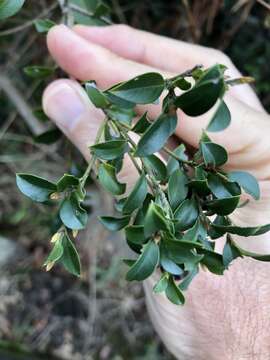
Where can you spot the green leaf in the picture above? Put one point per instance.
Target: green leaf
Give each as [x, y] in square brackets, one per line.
[72, 215]
[143, 89]
[222, 188]
[101, 10]
[174, 294]
[70, 258]
[96, 96]
[56, 252]
[39, 72]
[107, 178]
[186, 214]
[43, 25]
[129, 262]
[67, 181]
[230, 252]
[167, 264]
[182, 84]
[213, 261]
[124, 116]
[242, 231]
[260, 257]
[114, 224]
[35, 187]
[187, 280]
[182, 252]
[157, 167]
[48, 137]
[161, 285]
[145, 264]
[221, 119]
[9, 8]
[109, 150]
[156, 135]
[155, 220]
[135, 234]
[173, 164]
[199, 183]
[213, 154]
[137, 196]
[203, 96]
[247, 181]
[142, 124]
[198, 232]
[177, 188]
[223, 206]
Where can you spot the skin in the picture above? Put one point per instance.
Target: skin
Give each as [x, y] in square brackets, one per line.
[224, 317]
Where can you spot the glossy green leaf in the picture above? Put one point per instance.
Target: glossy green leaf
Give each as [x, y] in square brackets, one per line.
[199, 183]
[145, 264]
[39, 72]
[48, 137]
[221, 119]
[223, 206]
[247, 181]
[188, 279]
[186, 214]
[155, 220]
[107, 178]
[198, 233]
[56, 252]
[182, 84]
[177, 188]
[142, 124]
[70, 258]
[43, 25]
[157, 167]
[230, 252]
[96, 96]
[173, 164]
[124, 116]
[137, 195]
[260, 257]
[213, 261]
[143, 89]
[213, 154]
[174, 294]
[114, 224]
[67, 181]
[242, 231]
[161, 285]
[182, 252]
[156, 135]
[167, 264]
[35, 187]
[135, 234]
[72, 214]
[9, 8]
[203, 96]
[222, 188]
[109, 150]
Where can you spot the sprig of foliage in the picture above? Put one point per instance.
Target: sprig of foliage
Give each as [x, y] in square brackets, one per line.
[166, 215]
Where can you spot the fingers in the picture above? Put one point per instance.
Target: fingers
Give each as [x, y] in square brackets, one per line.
[86, 61]
[65, 103]
[245, 139]
[162, 53]
[154, 50]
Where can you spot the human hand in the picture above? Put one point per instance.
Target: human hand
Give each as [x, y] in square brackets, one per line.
[224, 317]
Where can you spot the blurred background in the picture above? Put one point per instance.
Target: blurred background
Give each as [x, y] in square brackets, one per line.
[99, 316]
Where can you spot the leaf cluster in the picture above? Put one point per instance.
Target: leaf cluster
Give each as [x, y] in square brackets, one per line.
[168, 215]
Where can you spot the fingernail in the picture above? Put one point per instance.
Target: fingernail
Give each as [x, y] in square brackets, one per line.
[63, 104]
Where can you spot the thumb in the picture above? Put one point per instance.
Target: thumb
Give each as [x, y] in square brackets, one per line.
[66, 104]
